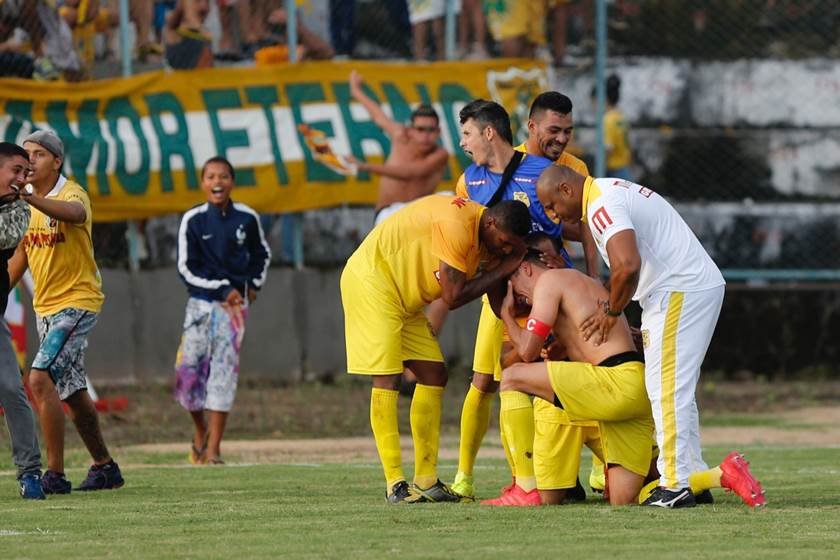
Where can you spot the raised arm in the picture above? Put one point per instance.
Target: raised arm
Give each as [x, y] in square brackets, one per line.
[391, 127]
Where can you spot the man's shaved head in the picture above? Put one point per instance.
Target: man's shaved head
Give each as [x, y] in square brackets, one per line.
[560, 190]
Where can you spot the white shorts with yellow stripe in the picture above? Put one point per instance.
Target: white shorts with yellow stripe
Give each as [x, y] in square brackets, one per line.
[677, 328]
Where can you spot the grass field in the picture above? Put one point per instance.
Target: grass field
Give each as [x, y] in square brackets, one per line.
[337, 511]
[283, 496]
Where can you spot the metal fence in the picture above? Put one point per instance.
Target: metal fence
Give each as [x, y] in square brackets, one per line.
[728, 107]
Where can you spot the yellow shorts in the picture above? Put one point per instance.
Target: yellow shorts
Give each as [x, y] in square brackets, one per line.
[557, 445]
[379, 334]
[518, 18]
[614, 396]
[488, 342]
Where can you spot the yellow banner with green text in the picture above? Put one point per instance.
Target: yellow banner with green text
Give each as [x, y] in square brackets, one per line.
[137, 144]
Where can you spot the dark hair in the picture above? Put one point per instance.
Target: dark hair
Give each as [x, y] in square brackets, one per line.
[424, 110]
[218, 159]
[536, 237]
[512, 216]
[613, 87]
[8, 150]
[534, 256]
[551, 101]
[488, 113]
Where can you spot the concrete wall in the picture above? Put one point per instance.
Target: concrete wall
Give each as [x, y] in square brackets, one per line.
[295, 329]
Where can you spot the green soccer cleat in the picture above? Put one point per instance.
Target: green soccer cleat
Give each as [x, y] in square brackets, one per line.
[437, 493]
[597, 480]
[463, 486]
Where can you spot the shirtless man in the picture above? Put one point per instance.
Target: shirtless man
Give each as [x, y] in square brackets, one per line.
[603, 380]
[416, 163]
[604, 383]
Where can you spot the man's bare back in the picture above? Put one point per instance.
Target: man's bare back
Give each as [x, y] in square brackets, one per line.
[576, 296]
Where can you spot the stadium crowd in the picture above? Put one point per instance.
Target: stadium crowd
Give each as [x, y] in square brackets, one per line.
[53, 39]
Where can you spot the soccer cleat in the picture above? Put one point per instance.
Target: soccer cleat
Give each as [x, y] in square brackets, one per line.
[516, 497]
[102, 477]
[30, 487]
[399, 492]
[54, 483]
[576, 494]
[704, 498]
[463, 486]
[671, 499]
[737, 478]
[436, 493]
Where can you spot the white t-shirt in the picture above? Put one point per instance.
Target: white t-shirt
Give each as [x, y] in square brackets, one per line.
[672, 257]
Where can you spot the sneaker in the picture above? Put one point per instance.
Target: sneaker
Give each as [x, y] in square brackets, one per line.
[738, 478]
[463, 486]
[399, 492]
[576, 494]
[671, 499]
[704, 498]
[516, 497]
[54, 483]
[438, 492]
[30, 487]
[102, 477]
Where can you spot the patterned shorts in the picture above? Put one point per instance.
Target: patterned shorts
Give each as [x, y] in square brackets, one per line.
[207, 365]
[62, 353]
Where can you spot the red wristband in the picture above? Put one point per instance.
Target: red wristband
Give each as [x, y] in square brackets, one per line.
[537, 327]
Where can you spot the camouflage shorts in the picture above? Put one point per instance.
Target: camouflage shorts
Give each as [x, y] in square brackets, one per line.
[62, 353]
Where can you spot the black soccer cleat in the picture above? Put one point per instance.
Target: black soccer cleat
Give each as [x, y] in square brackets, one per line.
[399, 492]
[671, 499]
[704, 498]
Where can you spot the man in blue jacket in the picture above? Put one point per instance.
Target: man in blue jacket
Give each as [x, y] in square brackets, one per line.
[223, 259]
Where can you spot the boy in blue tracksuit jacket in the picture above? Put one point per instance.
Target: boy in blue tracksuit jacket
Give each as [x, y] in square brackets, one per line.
[223, 259]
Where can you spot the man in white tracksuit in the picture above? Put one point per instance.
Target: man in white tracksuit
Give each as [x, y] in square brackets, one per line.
[655, 259]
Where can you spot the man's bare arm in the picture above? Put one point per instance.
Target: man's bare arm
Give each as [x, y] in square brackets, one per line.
[456, 290]
[67, 211]
[391, 127]
[625, 264]
[16, 266]
[429, 165]
[529, 341]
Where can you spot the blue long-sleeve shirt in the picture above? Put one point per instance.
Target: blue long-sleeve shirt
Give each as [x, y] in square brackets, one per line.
[221, 250]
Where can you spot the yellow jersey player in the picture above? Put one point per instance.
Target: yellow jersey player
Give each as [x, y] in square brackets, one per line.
[58, 249]
[430, 249]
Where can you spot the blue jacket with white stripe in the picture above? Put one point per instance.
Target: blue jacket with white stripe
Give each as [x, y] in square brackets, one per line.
[220, 250]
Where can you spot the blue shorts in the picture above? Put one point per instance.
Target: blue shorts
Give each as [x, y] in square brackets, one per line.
[62, 352]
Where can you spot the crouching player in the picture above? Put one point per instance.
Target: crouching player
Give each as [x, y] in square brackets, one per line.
[604, 382]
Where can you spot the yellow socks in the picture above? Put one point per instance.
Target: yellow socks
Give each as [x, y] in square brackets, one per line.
[425, 430]
[386, 432]
[704, 480]
[517, 418]
[475, 418]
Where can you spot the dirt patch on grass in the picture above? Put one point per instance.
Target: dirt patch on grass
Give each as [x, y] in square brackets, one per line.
[813, 426]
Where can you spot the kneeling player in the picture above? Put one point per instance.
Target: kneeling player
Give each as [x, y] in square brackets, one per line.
[603, 383]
